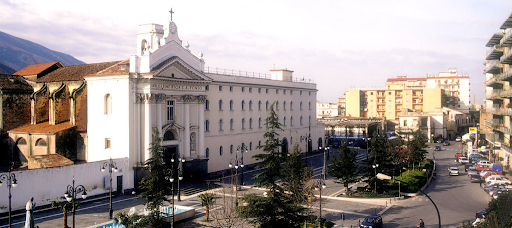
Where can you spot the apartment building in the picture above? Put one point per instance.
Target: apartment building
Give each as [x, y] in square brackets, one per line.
[326, 109]
[389, 103]
[498, 73]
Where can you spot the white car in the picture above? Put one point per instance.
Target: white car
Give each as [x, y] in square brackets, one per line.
[454, 171]
[484, 162]
[463, 160]
[496, 179]
[458, 139]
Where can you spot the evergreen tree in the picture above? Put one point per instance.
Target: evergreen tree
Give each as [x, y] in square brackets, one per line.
[296, 176]
[276, 209]
[343, 167]
[154, 186]
[416, 147]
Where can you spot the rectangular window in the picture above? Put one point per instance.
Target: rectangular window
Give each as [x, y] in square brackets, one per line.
[170, 110]
[250, 90]
[107, 143]
[243, 89]
[231, 89]
[220, 88]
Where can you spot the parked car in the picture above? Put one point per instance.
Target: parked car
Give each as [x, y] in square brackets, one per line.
[458, 139]
[481, 214]
[454, 171]
[497, 179]
[458, 155]
[484, 162]
[484, 149]
[487, 173]
[446, 143]
[484, 167]
[463, 160]
[472, 171]
[372, 221]
[437, 148]
[475, 178]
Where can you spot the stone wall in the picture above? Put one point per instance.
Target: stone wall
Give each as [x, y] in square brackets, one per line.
[41, 105]
[15, 110]
[81, 110]
[61, 104]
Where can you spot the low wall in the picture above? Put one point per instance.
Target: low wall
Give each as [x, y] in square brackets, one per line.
[49, 184]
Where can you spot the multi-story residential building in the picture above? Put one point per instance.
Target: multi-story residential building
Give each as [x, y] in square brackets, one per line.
[326, 109]
[342, 106]
[455, 86]
[498, 71]
[389, 103]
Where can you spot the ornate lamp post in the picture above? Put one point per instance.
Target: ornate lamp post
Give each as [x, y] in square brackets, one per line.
[307, 139]
[171, 179]
[238, 162]
[381, 176]
[71, 193]
[10, 178]
[375, 168]
[180, 175]
[111, 166]
[320, 184]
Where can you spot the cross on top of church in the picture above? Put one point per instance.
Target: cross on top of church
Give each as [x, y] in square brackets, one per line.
[171, 12]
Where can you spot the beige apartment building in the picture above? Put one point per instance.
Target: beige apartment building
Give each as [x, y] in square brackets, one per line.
[389, 103]
[498, 110]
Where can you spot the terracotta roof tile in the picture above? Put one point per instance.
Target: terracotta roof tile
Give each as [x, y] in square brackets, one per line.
[120, 68]
[14, 83]
[35, 69]
[75, 72]
[42, 128]
[51, 160]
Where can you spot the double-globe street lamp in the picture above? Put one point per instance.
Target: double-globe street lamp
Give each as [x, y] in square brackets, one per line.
[238, 162]
[71, 193]
[306, 138]
[10, 178]
[381, 176]
[320, 184]
[111, 166]
[171, 179]
[180, 175]
[375, 168]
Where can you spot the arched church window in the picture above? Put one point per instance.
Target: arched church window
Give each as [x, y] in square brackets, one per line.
[220, 105]
[207, 105]
[266, 105]
[220, 151]
[231, 124]
[220, 125]
[207, 152]
[21, 141]
[168, 136]
[41, 142]
[231, 105]
[108, 104]
[243, 123]
[243, 105]
[231, 149]
[206, 125]
[250, 123]
[250, 105]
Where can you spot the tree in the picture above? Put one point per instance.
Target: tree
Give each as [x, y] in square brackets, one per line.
[343, 167]
[153, 187]
[207, 200]
[226, 214]
[296, 177]
[65, 206]
[500, 211]
[276, 209]
[416, 147]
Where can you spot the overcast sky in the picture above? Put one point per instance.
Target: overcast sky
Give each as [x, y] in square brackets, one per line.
[339, 44]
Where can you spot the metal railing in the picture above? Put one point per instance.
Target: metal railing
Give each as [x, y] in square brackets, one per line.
[240, 73]
[493, 48]
[506, 36]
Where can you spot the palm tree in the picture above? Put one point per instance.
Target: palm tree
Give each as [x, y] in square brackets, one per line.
[65, 206]
[207, 200]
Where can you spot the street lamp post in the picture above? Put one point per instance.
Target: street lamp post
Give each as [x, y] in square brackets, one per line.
[71, 193]
[324, 167]
[171, 179]
[375, 168]
[381, 176]
[238, 162]
[111, 166]
[306, 138]
[10, 178]
[320, 184]
[180, 175]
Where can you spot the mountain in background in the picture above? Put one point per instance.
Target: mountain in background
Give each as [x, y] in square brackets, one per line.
[17, 53]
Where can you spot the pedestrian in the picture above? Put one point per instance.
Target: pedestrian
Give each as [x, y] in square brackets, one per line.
[421, 224]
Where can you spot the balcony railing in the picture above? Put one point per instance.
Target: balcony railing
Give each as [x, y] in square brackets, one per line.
[493, 67]
[506, 38]
[494, 53]
[501, 111]
[505, 75]
[506, 58]
[506, 130]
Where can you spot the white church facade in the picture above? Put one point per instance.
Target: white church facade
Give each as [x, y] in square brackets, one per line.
[203, 116]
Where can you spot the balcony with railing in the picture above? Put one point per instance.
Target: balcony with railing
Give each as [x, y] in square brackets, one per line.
[381, 95]
[505, 130]
[493, 67]
[501, 111]
[491, 80]
[505, 76]
[507, 38]
[507, 57]
[494, 53]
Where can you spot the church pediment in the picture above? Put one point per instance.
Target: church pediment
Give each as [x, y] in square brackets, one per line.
[176, 68]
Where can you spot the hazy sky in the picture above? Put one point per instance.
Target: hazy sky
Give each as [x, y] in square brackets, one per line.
[339, 44]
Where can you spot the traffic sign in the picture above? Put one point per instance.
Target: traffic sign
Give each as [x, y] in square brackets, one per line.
[472, 129]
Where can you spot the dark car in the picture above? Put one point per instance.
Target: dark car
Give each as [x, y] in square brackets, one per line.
[372, 221]
[437, 148]
[481, 214]
[475, 178]
[446, 143]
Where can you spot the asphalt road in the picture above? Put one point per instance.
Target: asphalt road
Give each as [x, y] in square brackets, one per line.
[455, 196]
